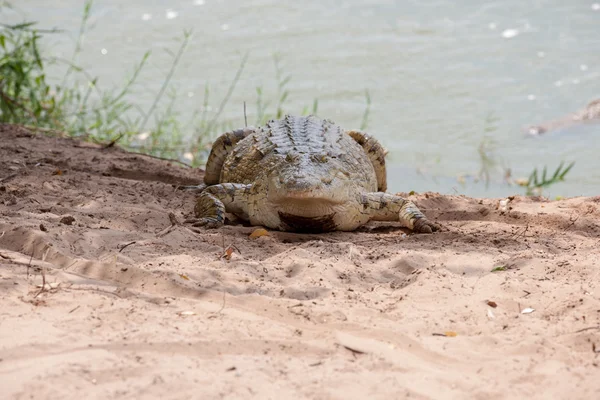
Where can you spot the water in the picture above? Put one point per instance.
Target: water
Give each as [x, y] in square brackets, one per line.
[435, 70]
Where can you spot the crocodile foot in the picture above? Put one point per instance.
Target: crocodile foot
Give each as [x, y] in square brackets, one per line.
[207, 222]
[423, 225]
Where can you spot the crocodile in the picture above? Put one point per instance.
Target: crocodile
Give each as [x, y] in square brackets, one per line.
[591, 113]
[301, 174]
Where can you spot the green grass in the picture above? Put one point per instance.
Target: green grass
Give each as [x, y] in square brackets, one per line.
[78, 106]
[490, 164]
[536, 183]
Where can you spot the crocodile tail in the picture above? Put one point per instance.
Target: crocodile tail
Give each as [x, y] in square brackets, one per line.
[219, 152]
[376, 154]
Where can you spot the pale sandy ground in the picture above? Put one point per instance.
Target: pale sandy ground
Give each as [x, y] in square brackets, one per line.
[357, 315]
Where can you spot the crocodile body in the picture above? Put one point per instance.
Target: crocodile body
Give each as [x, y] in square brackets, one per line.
[591, 113]
[301, 174]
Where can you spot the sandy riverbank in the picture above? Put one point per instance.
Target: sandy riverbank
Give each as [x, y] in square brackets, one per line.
[136, 307]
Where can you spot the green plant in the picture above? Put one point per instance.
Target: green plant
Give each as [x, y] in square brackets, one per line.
[77, 105]
[490, 164]
[486, 151]
[282, 93]
[365, 118]
[313, 110]
[282, 82]
[535, 184]
[26, 96]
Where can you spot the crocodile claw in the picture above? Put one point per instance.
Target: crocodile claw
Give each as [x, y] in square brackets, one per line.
[193, 188]
[210, 223]
[423, 225]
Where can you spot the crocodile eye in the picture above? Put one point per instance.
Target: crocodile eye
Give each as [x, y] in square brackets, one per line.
[290, 157]
[320, 158]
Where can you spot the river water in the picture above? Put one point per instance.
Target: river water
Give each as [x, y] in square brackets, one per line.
[444, 76]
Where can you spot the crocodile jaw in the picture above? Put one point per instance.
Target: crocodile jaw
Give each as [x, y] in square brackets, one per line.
[308, 214]
[309, 207]
[324, 223]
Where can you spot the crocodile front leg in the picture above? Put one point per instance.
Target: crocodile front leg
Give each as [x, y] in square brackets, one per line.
[388, 207]
[215, 200]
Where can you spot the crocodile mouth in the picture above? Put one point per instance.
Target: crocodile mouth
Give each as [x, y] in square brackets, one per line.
[313, 214]
[321, 223]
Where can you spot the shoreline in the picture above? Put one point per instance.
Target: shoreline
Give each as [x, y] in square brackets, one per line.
[136, 305]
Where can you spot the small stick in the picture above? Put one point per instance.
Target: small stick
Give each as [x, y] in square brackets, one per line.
[245, 117]
[29, 265]
[114, 141]
[174, 224]
[126, 245]
[353, 351]
[161, 158]
[572, 220]
[215, 314]
[43, 282]
[74, 309]
[15, 174]
[222, 305]
[587, 329]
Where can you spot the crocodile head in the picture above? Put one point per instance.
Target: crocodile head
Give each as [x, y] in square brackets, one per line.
[308, 190]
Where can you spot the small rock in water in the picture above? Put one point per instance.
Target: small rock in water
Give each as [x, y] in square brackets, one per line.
[533, 130]
[583, 67]
[146, 17]
[531, 97]
[171, 14]
[510, 33]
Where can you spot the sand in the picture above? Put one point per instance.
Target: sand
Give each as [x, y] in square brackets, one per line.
[137, 305]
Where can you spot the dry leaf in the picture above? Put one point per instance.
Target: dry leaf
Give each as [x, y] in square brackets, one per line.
[258, 233]
[49, 286]
[184, 277]
[491, 304]
[57, 172]
[450, 333]
[228, 253]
